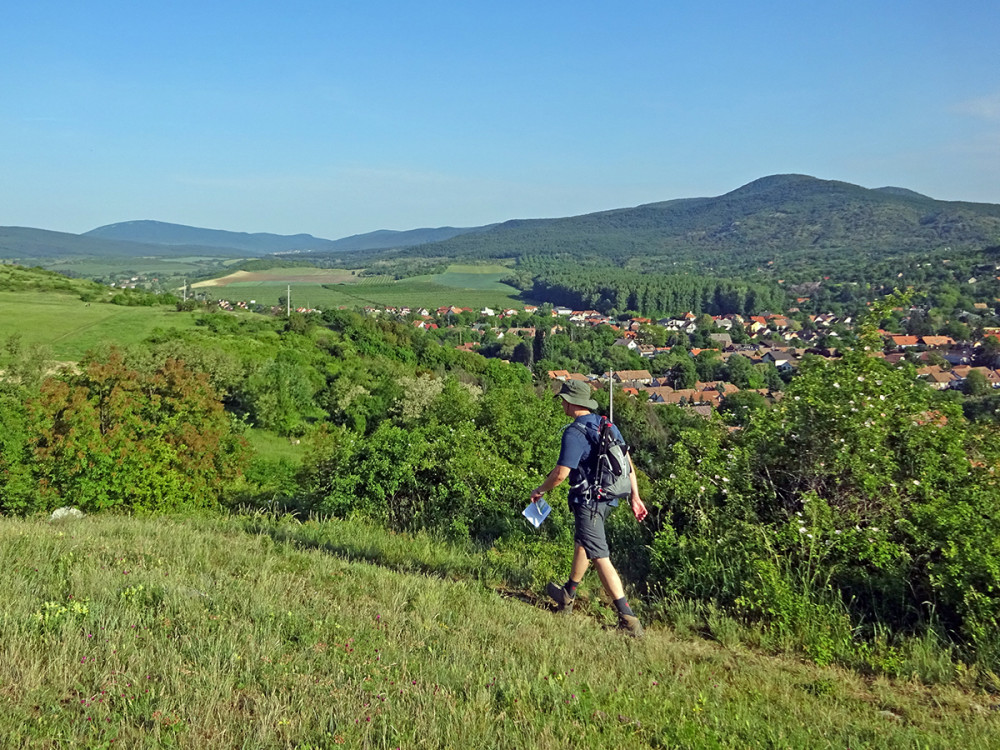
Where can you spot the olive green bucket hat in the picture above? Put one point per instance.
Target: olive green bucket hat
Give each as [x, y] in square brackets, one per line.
[577, 392]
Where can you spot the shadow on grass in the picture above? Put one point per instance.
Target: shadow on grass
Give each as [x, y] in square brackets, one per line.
[404, 554]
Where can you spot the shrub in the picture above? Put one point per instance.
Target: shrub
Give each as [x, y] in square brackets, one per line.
[862, 494]
[114, 437]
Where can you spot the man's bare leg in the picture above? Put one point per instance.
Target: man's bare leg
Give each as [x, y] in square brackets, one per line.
[613, 586]
[609, 577]
[580, 564]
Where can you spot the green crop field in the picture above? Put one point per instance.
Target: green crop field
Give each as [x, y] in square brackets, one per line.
[70, 327]
[461, 285]
[481, 278]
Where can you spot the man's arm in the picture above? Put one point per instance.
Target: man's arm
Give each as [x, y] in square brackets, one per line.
[638, 507]
[556, 477]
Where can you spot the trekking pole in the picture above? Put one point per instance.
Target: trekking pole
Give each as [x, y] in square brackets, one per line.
[611, 394]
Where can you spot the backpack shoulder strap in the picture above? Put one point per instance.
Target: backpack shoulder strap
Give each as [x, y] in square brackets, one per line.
[586, 433]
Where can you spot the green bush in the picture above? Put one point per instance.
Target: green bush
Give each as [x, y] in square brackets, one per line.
[862, 500]
[115, 437]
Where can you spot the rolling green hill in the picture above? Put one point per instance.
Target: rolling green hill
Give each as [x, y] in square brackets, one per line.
[68, 317]
[783, 216]
[161, 233]
[788, 222]
[33, 246]
[174, 235]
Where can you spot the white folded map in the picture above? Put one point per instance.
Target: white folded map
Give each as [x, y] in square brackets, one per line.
[537, 512]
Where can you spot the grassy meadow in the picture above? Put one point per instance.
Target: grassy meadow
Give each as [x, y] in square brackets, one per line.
[462, 285]
[249, 632]
[70, 327]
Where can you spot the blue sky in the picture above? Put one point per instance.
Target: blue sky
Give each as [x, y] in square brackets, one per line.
[341, 118]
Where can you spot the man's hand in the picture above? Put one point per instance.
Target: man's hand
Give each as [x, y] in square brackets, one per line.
[536, 494]
[638, 508]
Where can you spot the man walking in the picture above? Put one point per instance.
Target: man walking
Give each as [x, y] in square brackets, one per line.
[579, 440]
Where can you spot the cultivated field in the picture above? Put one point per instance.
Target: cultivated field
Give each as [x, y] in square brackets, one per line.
[283, 276]
[461, 285]
[70, 327]
[204, 632]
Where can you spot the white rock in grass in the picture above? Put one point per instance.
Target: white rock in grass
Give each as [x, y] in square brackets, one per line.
[61, 514]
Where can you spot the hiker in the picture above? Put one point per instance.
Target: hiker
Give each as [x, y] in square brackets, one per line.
[578, 441]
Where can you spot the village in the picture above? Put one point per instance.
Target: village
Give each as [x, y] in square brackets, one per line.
[777, 340]
[773, 340]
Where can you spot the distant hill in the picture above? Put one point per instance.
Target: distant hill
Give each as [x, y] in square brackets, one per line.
[139, 239]
[41, 245]
[174, 235]
[783, 215]
[385, 239]
[796, 219]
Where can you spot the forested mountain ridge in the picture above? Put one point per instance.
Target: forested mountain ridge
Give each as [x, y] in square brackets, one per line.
[791, 217]
[133, 239]
[788, 222]
[164, 233]
[262, 243]
[38, 245]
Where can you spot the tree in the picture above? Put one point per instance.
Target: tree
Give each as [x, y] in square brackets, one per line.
[115, 437]
[539, 350]
[988, 354]
[976, 384]
[279, 395]
[522, 354]
[684, 374]
[741, 406]
[709, 365]
[742, 373]
[652, 335]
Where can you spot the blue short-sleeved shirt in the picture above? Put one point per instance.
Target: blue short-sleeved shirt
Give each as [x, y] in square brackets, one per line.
[575, 453]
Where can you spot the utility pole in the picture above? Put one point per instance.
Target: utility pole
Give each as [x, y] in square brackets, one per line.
[288, 301]
[185, 290]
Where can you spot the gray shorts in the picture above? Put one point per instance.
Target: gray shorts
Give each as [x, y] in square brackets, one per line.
[589, 532]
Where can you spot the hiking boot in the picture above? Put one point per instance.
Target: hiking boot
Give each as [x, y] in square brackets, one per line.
[630, 624]
[564, 602]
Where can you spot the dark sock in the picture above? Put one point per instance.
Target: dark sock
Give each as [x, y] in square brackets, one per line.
[622, 606]
[571, 587]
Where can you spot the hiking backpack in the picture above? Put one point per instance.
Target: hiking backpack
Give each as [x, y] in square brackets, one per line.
[609, 476]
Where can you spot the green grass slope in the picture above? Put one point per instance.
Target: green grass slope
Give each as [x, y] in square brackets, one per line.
[69, 327]
[214, 632]
[47, 309]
